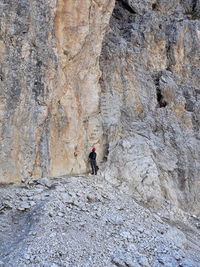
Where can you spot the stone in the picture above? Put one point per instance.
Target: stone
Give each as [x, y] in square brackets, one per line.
[167, 260]
[24, 206]
[140, 229]
[148, 101]
[117, 220]
[118, 262]
[126, 235]
[52, 233]
[143, 261]
[27, 257]
[126, 80]
[61, 214]
[45, 182]
[46, 107]
[125, 260]
[188, 263]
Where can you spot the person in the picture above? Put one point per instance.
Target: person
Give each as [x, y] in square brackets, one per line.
[92, 157]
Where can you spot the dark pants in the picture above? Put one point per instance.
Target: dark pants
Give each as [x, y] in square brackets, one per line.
[93, 166]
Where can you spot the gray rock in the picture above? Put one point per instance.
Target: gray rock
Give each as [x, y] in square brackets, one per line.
[167, 260]
[149, 107]
[115, 220]
[128, 237]
[118, 262]
[46, 182]
[24, 206]
[188, 263]
[143, 261]
[143, 114]
[27, 257]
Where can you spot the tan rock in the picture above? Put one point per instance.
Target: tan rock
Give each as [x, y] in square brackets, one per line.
[50, 117]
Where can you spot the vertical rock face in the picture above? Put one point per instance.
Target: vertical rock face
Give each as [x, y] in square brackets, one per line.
[28, 70]
[150, 100]
[49, 92]
[76, 122]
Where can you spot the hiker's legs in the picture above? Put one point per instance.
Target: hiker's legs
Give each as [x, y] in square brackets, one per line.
[93, 166]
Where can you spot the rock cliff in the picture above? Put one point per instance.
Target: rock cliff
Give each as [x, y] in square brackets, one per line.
[133, 93]
[150, 101]
[49, 90]
[121, 75]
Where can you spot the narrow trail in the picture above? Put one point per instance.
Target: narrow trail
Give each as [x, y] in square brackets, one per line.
[84, 221]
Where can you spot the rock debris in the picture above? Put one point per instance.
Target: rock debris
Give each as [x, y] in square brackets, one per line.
[86, 221]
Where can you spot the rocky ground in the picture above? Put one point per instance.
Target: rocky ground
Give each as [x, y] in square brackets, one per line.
[85, 221]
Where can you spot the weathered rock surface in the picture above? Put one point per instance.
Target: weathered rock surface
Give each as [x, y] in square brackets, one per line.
[150, 101]
[143, 115]
[49, 91]
[136, 97]
[84, 221]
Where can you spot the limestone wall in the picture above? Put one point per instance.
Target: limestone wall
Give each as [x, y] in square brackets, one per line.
[49, 91]
[150, 88]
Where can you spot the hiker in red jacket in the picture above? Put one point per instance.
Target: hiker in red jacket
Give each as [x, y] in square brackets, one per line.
[92, 157]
